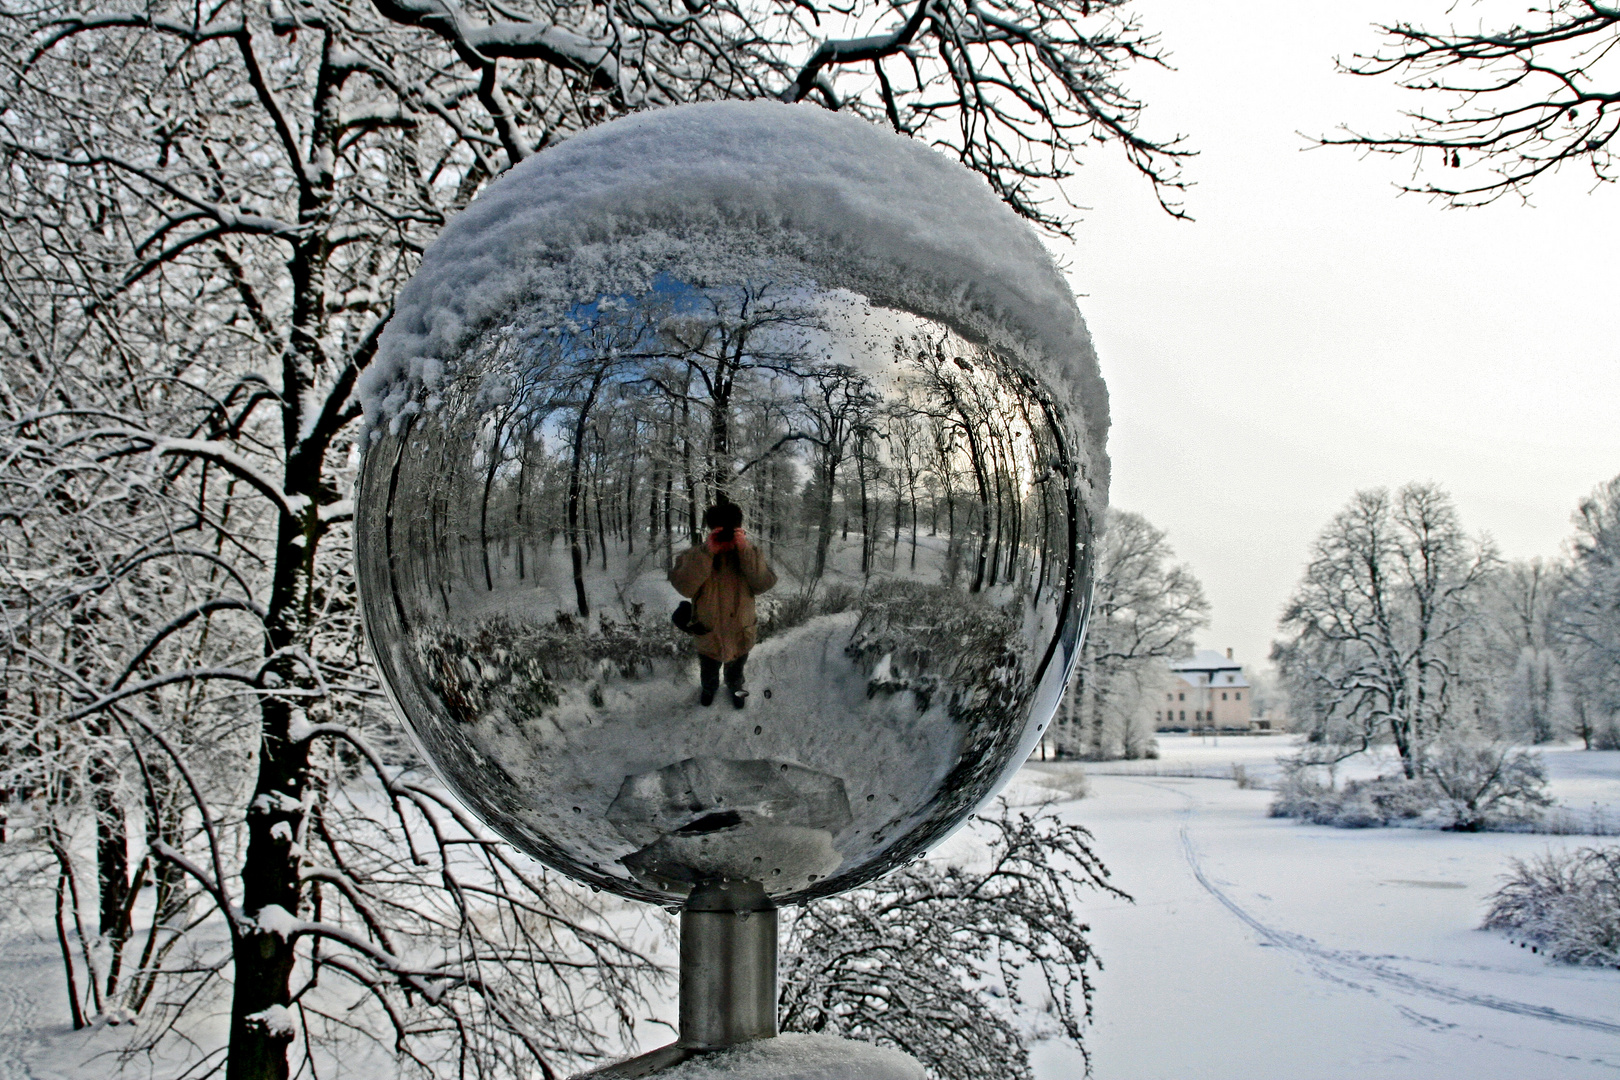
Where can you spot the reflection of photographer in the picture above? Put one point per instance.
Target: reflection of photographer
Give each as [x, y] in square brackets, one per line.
[722, 576]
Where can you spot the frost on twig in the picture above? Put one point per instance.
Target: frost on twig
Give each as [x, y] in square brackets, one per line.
[963, 967]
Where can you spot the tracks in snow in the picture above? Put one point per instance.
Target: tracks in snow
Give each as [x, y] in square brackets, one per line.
[1352, 968]
[19, 1009]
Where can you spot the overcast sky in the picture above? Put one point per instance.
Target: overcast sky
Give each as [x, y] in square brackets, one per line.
[1313, 332]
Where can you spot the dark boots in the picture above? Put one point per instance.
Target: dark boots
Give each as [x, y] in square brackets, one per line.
[710, 671]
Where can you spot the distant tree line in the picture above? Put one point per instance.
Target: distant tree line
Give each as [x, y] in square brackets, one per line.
[1144, 612]
[1407, 632]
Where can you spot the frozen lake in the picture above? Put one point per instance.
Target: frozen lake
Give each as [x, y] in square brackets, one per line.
[1259, 948]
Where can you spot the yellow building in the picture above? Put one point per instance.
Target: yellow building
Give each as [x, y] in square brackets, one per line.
[1205, 691]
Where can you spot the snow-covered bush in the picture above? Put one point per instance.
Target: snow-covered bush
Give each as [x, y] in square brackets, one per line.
[1359, 804]
[519, 667]
[1462, 785]
[917, 637]
[963, 968]
[1606, 736]
[1070, 782]
[1567, 903]
[1485, 783]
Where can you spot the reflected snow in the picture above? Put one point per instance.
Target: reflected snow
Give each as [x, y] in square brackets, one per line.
[913, 494]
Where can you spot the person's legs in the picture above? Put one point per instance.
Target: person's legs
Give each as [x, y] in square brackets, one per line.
[735, 680]
[709, 678]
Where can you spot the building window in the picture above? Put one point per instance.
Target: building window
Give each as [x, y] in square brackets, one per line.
[1183, 716]
[1240, 695]
[1181, 697]
[1223, 695]
[1169, 697]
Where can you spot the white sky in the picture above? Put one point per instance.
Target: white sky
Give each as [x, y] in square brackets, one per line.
[1313, 332]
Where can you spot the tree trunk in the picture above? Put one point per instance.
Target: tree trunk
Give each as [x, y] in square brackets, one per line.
[75, 1010]
[483, 509]
[686, 467]
[112, 846]
[576, 554]
[517, 512]
[630, 489]
[263, 960]
[866, 518]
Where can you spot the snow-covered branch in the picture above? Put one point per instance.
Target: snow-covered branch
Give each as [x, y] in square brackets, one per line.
[222, 454]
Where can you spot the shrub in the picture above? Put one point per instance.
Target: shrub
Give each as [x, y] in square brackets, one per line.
[1300, 795]
[511, 667]
[1360, 804]
[962, 967]
[1068, 781]
[1483, 784]
[1462, 785]
[1567, 903]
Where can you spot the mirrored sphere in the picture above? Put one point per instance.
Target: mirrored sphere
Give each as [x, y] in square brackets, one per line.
[756, 580]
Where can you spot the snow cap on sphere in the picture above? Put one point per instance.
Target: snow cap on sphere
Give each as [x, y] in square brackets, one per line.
[859, 206]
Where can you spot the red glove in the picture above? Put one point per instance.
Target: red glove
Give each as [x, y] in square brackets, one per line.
[739, 539]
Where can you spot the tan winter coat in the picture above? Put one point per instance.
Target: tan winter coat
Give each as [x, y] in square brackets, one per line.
[722, 589]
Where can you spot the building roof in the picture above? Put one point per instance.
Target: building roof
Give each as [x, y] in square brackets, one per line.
[1208, 667]
[1205, 660]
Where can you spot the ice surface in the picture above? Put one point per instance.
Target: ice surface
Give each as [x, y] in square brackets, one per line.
[1283, 950]
[801, 1057]
[721, 187]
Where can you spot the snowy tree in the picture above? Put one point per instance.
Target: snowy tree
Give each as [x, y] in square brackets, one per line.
[206, 213]
[1514, 101]
[1536, 703]
[1144, 611]
[1585, 620]
[1269, 698]
[1375, 643]
[1515, 665]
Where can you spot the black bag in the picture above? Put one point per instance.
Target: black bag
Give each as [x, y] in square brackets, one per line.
[683, 620]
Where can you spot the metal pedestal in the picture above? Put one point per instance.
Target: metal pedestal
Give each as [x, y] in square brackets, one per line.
[728, 978]
[728, 966]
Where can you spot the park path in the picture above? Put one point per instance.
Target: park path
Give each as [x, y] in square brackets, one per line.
[1260, 949]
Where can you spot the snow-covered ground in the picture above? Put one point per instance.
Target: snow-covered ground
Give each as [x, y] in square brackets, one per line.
[1260, 948]
[1257, 948]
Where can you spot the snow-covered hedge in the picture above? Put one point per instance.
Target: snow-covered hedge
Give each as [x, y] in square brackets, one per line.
[1359, 804]
[1461, 785]
[1565, 903]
